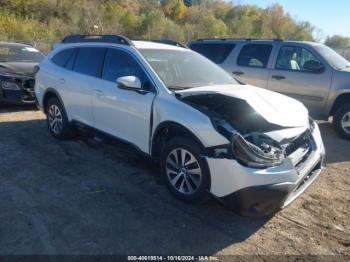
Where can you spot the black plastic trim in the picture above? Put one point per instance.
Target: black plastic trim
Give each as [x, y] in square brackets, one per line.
[258, 200]
[169, 124]
[120, 141]
[54, 92]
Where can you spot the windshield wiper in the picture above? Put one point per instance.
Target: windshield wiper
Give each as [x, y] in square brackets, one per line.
[177, 87]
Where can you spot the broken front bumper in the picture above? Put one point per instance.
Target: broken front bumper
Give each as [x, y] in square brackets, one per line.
[23, 94]
[251, 191]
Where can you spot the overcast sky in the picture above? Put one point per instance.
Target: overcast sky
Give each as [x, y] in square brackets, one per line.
[332, 17]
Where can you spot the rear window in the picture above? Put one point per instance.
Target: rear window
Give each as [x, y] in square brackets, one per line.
[61, 58]
[89, 61]
[254, 55]
[215, 52]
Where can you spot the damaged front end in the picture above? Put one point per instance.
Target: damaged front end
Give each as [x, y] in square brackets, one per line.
[244, 127]
[264, 166]
[260, 153]
[17, 89]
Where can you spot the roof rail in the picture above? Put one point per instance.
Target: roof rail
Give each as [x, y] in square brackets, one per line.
[115, 39]
[243, 39]
[169, 42]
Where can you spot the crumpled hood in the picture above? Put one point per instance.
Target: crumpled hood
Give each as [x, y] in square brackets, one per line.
[346, 69]
[273, 107]
[17, 68]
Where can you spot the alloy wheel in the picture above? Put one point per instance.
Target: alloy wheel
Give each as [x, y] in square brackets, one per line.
[183, 171]
[55, 119]
[345, 122]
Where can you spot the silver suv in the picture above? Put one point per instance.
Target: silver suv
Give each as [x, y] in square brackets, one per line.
[310, 72]
[208, 133]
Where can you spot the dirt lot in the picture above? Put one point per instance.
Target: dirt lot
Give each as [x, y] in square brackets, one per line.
[88, 197]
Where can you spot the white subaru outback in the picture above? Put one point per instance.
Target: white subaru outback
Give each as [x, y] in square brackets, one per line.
[253, 149]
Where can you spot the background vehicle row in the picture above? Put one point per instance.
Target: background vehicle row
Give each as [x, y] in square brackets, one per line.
[309, 72]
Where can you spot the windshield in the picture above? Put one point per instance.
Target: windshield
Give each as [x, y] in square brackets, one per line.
[10, 53]
[183, 69]
[332, 57]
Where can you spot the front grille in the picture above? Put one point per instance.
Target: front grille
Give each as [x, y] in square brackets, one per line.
[29, 83]
[28, 90]
[300, 141]
[308, 176]
[300, 149]
[304, 183]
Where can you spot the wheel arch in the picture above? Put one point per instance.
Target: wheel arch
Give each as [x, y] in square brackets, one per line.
[341, 99]
[167, 130]
[50, 93]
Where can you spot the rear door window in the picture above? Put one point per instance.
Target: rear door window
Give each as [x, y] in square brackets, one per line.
[254, 55]
[216, 52]
[70, 62]
[61, 57]
[89, 61]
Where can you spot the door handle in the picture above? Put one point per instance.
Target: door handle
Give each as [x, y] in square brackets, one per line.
[62, 81]
[238, 73]
[98, 92]
[278, 77]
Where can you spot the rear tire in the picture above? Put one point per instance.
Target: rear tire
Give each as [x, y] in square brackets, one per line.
[341, 121]
[184, 169]
[57, 120]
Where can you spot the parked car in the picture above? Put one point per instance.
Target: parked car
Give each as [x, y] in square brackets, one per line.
[311, 72]
[208, 132]
[17, 69]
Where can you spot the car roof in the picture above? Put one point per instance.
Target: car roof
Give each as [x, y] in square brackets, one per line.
[14, 44]
[235, 40]
[76, 40]
[136, 44]
[155, 45]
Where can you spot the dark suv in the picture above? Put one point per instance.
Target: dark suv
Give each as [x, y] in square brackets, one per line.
[17, 69]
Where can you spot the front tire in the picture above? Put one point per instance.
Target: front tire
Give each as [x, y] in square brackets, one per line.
[57, 120]
[341, 121]
[184, 169]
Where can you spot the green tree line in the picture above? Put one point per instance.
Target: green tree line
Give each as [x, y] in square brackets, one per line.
[338, 41]
[181, 20]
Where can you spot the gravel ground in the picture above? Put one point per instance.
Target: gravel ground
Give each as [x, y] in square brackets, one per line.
[89, 197]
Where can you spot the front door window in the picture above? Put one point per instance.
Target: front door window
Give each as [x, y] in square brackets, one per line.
[295, 58]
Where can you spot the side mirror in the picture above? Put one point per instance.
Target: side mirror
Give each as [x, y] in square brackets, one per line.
[314, 66]
[129, 82]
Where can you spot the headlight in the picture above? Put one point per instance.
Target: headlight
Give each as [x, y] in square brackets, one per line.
[253, 156]
[10, 86]
[312, 124]
[315, 131]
